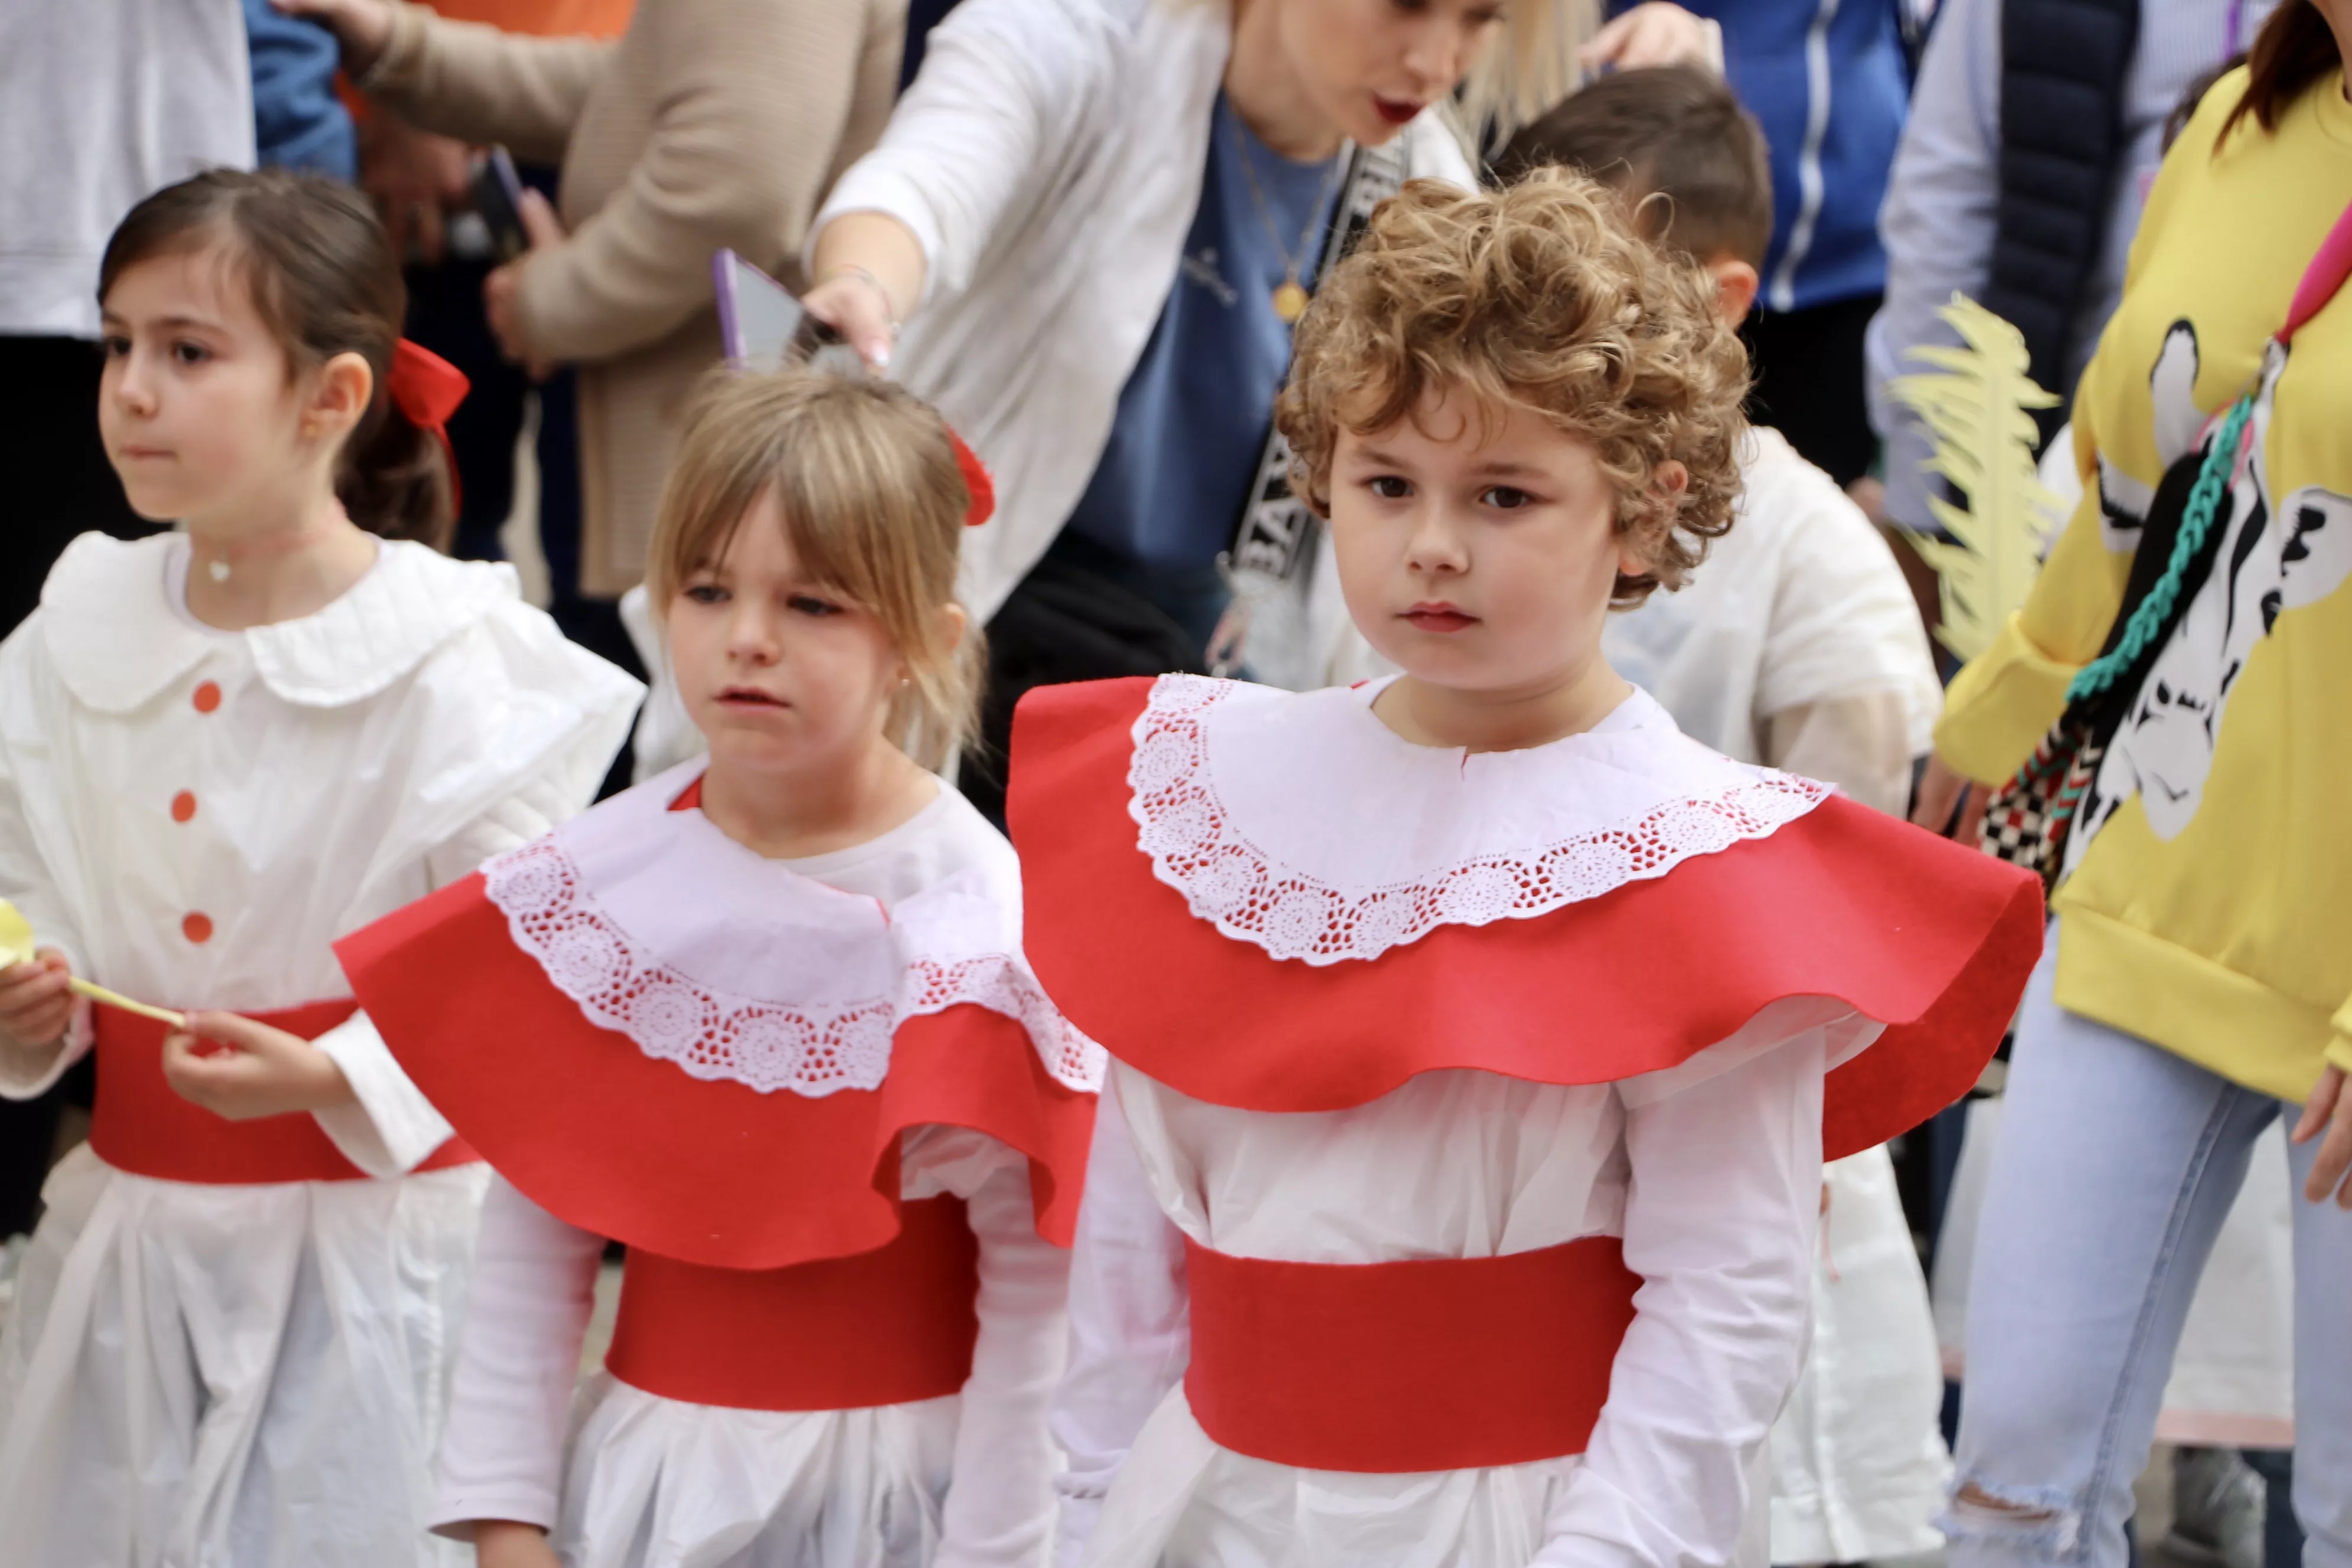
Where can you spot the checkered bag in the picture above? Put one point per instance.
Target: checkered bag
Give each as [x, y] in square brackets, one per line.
[2026, 820]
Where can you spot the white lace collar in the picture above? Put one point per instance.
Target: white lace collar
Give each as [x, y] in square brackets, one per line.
[738, 967]
[1301, 823]
[118, 640]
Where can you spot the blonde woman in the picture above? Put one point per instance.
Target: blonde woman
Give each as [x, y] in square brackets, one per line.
[1086, 234]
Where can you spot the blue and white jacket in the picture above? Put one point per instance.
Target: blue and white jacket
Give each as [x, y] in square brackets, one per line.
[1828, 81]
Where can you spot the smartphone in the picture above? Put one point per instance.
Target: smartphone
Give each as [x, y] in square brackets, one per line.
[497, 199]
[763, 326]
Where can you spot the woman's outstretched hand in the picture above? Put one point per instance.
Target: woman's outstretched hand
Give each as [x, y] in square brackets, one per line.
[363, 26]
[2328, 1112]
[866, 278]
[854, 304]
[239, 1069]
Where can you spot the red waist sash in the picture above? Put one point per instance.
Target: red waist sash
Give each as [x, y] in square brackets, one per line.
[1389, 1368]
[140, 1125]
[884, 1327]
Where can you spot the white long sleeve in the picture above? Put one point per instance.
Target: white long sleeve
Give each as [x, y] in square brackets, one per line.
[1130, 1325]
[26, 880]
[1000, 1506]
[1720, 1218]
[389, 1127]
[1005, 91]
[534, 1285]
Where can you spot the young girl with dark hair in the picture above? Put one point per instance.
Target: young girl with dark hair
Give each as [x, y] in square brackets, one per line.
[220, 749]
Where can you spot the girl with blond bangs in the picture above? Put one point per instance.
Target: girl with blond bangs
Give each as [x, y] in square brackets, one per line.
[1476, 1038]
[765, 1020]
[1087, 234]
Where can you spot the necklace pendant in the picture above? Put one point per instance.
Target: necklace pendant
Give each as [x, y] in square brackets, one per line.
[217, 571]
[1289, 301]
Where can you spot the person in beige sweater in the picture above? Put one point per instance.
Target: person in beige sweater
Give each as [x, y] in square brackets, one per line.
[707, 123]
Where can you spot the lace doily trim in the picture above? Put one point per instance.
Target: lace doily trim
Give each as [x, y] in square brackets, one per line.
[1250, 896]
[764, 1046]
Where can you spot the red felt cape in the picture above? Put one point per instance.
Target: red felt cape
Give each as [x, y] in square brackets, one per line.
[1932, 940]
[600, 1134]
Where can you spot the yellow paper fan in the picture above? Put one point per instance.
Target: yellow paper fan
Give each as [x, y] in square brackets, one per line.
[1978, 407]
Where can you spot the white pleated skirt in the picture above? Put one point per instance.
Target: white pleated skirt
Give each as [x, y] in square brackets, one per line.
[231, 1376]
[659, 1483]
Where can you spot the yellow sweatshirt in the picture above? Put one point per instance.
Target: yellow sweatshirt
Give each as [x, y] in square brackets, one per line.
[2208, 907]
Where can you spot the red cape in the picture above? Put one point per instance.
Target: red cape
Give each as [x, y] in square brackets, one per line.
[597, 1132]
[1932, 940]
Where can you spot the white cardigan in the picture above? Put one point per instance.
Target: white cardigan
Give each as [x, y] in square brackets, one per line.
[1049, 159]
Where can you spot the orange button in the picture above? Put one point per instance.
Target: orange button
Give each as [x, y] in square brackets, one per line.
[184, 806]
[197, 928]
[206, 697]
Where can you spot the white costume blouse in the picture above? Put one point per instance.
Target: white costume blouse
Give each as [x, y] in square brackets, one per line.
[253, 1375]
[1322, 851]
[654, 1481]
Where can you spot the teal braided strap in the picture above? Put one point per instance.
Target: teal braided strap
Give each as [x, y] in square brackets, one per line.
[2155, 611]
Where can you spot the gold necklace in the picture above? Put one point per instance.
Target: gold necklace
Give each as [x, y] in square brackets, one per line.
[1289, 295]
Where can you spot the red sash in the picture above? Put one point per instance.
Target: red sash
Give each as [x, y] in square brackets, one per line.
[1390, 1368]
[140, 1125]
[884, 1327]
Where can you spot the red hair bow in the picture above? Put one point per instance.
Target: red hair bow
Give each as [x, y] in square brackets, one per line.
[427, 390]
[976, 481]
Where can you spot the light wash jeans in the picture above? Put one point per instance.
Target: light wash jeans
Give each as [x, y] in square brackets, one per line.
[2117, 1163]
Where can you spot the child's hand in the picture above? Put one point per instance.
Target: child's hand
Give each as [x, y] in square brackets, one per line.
[504, 1543]
[363, 26]
[2330, 1106]
[239, 1069]
[35, 1003]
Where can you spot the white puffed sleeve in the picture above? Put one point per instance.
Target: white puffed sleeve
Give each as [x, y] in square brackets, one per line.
[533, 1287]
[1130, 1325]
[28, 882]
[1720, 1221]
[391, 1126]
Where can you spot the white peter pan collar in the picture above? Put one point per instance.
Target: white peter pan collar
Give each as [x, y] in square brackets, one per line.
[738, 967]
[1301, 823]
[118, 640]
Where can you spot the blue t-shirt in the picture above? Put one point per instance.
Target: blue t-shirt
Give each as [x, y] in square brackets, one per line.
[1193, 417]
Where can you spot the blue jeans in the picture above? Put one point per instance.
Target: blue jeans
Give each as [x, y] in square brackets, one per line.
[2117, 1164]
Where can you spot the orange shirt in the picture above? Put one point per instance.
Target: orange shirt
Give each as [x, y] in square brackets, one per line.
[549, 18]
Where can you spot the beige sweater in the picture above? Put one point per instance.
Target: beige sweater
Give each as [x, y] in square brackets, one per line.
[708, 123]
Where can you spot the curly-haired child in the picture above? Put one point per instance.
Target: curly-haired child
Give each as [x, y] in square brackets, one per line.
[1476, 1036]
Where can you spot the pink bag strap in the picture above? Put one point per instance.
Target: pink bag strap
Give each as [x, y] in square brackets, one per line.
[2322, 278]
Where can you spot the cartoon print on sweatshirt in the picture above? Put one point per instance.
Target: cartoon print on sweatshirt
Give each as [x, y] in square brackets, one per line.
[2273, 557]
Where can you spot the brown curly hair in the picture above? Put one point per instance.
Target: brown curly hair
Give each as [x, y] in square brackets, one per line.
[1537, 294]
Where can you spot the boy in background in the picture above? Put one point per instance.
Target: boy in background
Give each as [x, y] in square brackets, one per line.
[1795, 644]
